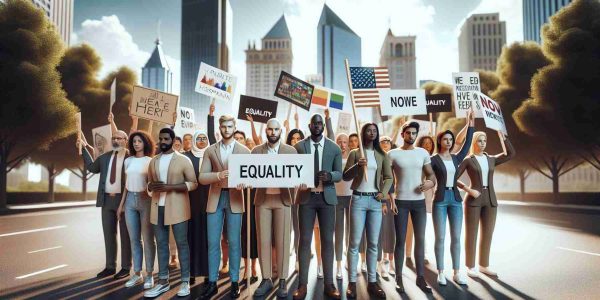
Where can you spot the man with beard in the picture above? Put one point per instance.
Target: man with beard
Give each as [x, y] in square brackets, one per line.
[170, 177]
[223, 204]
[319, 202]
[273, 218]
[110, 187]
[409, 163]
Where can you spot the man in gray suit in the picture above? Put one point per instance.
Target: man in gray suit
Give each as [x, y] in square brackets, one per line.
[110, 187]
[319, 202]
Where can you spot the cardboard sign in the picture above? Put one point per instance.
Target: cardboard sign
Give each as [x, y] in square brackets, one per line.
[439, 103]
[101, 137]
[402, 102]
[294, 90]
[215, 82]
[78, 127]
[260, 109]
[465, 83]
[186, 121]
[153, 105]
[268, 170]
[113, 93]
[344, 123]
[424, 130]
[328, 98]
[492, 114]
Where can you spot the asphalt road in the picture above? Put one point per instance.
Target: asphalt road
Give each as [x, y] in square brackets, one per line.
[538, 253]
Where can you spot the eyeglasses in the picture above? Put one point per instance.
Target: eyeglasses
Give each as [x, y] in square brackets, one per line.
[385, 141]
[202, 139]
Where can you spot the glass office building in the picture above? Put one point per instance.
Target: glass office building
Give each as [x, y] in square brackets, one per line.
[536, 13]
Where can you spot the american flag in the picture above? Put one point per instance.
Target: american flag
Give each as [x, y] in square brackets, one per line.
[366, 83]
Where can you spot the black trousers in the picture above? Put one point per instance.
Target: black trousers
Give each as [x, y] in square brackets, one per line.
[109, 228]
[418, 214]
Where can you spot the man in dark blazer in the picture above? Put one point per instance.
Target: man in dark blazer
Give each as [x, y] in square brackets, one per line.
[319, 202]
[111, 185]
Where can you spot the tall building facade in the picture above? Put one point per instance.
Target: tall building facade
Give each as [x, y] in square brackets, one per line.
[536, 13]
[263, 66]
[398, 55]
[336, 42]
[206, 32]
[156, 73]
[480, 42]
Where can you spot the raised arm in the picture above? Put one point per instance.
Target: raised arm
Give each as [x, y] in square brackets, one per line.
[330, 133]
[510, 152]
[111, 120]
[210, 126]
[257, 140]
[463, 134]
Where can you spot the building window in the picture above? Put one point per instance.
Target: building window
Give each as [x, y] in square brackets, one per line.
[483, 29]
[474, 47]
[494, 28]
[473, 30]
[478, 29]
[398, 50]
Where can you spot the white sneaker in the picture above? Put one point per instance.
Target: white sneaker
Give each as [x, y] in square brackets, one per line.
[392, 268]
[184, 289]
[460, 278]
[363, 267]
[320, 272]
[487, 271]
[441, 278]
[339, 272]
[157, 290]
[381, 268]
[148, 282]
[472, 272]
[133, 280]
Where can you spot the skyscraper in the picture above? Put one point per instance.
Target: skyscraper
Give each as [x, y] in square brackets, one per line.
[156, 74]
[336, 42]
[480, 42]
[206, 27]
[264, 65]
[536, 13]
[398, 55]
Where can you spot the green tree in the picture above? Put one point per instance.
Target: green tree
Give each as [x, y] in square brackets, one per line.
[35, 110]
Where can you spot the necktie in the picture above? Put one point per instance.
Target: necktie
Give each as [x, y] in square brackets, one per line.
[113, 169]
[316, 165]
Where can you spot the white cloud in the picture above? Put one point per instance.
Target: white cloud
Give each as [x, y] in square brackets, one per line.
[116, 47]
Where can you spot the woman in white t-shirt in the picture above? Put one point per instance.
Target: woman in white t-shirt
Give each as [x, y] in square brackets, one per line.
[136, 204]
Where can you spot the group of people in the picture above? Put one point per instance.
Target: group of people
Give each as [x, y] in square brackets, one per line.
[367, 198]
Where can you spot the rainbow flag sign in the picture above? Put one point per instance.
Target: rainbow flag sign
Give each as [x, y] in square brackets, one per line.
[328, 98]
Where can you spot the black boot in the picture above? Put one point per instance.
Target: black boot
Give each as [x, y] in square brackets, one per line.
[210, 289]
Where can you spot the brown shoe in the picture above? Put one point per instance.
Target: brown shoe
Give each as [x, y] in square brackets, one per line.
[351, 291]
[375, 290]
[331, 291]
[300, 293]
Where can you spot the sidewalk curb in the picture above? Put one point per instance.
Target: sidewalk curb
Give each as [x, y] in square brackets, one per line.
[28, 208]
[548, 205]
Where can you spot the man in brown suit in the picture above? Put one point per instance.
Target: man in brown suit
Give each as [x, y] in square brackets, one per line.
[223, 204]
[273, 217]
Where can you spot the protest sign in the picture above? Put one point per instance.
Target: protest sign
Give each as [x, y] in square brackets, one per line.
[294, 90]
[492, 114]
[464, 84]
[402, 102]
[260, 109]
[439, 103]
[153, 105]
[215, 82]
[268, 170]
[328, 98]
[186, 122]
[102, 139]
[344, 123]
[113, 93]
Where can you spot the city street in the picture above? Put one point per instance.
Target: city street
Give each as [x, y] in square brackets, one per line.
[539, 252]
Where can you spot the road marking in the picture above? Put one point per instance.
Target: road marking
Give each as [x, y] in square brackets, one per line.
[40, 272]
[33, 230]
[45, 249]
[579, 251]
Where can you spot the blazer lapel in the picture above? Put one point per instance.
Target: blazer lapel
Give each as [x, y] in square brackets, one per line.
[440, 161]
[156, 167]
[107, 161]
[218, 150]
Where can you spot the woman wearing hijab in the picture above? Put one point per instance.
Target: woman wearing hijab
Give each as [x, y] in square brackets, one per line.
[197, 236]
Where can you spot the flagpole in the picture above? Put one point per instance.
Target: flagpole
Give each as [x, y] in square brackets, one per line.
[248, 237]
[362, 150]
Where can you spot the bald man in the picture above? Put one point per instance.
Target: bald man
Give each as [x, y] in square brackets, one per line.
[110, 187]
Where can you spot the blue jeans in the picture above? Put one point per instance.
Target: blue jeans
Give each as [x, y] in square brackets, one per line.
[183, 249]
[365, 211]
[215, 228]
[452, 209]
[137, 217]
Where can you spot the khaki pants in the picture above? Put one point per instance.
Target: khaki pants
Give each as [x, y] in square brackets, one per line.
[483, 216]
[271, 215]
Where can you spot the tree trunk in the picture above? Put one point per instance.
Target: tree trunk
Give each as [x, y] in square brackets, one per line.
[555, 180]
[3, 177]
[522, 179]
[51, 171]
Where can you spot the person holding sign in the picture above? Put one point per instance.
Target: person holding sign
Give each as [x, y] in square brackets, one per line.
[481, 205]
[368, 201]
[447, 201]
[273, 217]
[110, 188]
[410, 163]
[319, 202]
[223, 204]
[170, 178]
